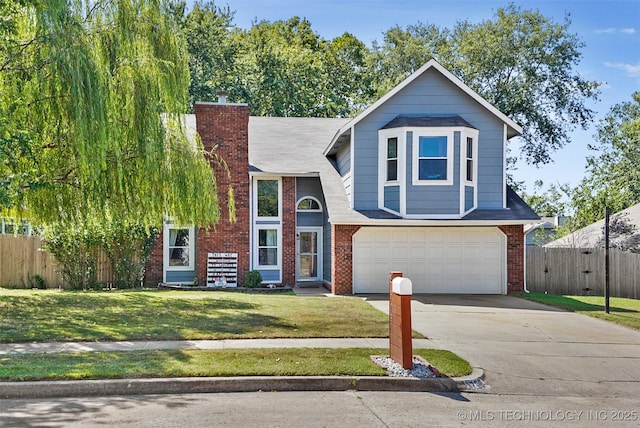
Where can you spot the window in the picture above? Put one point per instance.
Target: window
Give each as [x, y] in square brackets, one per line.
[309, 203]
[268, 247]
[392, 159]
[180, 250]
[469, 159]
[432, 158]
[10, 226]
[268, 198]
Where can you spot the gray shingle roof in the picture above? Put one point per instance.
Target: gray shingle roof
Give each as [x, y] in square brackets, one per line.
[290, 145]
[517, 209]
[592, 235]
[427, 121]
[294, 146]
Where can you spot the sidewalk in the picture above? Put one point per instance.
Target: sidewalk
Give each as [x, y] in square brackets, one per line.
[85, 388]
[55, 347]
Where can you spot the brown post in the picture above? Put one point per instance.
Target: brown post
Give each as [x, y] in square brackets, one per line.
[400, 342]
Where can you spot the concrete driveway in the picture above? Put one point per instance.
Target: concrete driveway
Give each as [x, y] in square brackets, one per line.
[528, 348]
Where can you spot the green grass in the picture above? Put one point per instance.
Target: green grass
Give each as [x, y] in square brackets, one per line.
[622, 311]
[51, 315]
[195, 363]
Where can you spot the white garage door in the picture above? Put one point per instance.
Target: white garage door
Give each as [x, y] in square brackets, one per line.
[468, 260]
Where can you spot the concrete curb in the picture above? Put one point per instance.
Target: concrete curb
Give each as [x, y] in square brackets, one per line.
[96, 388]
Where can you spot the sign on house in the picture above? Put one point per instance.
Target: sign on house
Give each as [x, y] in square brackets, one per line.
[222, 270]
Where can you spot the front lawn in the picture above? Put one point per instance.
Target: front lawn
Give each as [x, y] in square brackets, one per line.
[622, 311]
[196, 363]
[51, 315]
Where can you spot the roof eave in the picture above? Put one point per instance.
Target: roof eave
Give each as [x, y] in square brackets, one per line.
[433, 223]
[432, 63]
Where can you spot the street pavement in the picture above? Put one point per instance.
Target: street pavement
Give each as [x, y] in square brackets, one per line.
[526, 347]
[542, 366]
[321, 409]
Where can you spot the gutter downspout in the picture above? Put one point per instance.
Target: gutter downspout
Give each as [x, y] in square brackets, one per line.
[524, 267]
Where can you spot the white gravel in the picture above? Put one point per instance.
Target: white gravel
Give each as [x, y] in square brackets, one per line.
[420, 368]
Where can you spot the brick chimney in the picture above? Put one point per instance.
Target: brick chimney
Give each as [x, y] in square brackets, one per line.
[225, 128]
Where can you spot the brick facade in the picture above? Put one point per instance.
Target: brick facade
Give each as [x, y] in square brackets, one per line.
[515, 257]
[224, 128]
[289, 231]
[342, 258]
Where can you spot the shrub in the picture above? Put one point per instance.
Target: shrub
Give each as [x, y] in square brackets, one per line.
[128, 248]
[76, 250]
[36, 281]
[253, 280]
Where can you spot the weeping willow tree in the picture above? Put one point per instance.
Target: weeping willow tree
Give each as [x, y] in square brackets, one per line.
[90, 97]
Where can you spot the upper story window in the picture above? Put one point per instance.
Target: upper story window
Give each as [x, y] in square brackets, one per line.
[392, 159]
[268, 198]
[469, 160]
[309, 204]
[433, 158]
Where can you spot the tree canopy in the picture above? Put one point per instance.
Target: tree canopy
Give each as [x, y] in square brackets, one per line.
[289, 70]
[554, 201]
[612, 176]
[520, 61]
[92, 91]
[91, 96]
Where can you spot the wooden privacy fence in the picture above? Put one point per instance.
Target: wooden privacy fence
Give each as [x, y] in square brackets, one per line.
[22, 257]
[580, 271]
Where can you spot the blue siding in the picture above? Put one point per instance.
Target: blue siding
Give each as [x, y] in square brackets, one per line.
[343, 158]
[309, 186]
[392, 198]
[491, 167]
[434, 199]
[182, 276]
[309, 219]
[430, 94]
[270, 275]
[468, 198]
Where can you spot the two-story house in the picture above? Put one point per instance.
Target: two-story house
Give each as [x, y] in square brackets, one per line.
[416, 183]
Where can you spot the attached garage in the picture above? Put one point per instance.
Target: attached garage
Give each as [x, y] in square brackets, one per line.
[461, 260]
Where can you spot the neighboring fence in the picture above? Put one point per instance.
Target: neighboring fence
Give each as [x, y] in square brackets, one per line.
[580, 271]
[22, 257]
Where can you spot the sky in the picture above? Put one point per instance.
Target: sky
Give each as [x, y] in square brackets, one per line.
[610, 30]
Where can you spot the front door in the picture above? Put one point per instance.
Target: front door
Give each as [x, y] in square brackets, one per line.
[309, 254]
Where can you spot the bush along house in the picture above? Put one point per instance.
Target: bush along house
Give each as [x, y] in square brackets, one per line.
[416, 183]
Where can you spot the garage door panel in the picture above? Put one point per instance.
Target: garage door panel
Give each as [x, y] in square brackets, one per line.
[438, 260]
